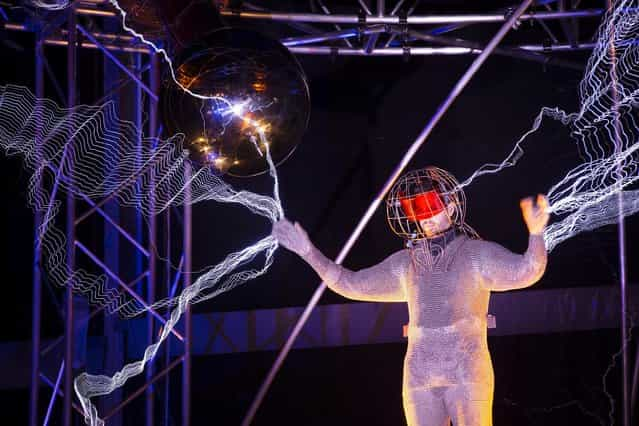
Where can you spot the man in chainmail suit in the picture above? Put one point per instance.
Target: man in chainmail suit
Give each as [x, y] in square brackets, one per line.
[445, 274]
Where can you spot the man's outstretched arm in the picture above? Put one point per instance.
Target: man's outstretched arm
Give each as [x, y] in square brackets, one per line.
[380, 283]
[502, 270]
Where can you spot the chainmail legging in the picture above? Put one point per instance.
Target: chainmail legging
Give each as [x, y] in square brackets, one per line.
[467, 404]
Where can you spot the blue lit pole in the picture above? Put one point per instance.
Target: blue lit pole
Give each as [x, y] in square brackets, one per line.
[37, 257]
[114, 341]
[167, 348]
[150, 294]
[186, 364]
[70, 228]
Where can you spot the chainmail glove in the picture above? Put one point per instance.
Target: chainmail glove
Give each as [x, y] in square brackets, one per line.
[292, 237]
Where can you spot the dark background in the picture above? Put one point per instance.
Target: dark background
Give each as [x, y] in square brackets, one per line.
[365, 114]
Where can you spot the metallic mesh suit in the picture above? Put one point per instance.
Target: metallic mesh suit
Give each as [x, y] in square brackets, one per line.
[447, 370]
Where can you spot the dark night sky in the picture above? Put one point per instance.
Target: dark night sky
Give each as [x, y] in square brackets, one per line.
[365, 113]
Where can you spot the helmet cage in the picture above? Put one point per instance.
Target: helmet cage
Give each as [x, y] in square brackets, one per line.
[421, 194]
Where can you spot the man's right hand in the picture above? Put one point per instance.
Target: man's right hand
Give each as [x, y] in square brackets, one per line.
[292, 237]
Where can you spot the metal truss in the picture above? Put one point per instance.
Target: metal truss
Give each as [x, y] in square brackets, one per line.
[143, 286]
[397, 31]
[384, 31]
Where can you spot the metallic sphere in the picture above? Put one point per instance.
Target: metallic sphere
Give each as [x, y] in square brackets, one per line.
[251, 95]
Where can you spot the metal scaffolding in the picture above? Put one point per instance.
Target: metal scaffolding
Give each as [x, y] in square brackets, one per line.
[143, 287]
[378, 31]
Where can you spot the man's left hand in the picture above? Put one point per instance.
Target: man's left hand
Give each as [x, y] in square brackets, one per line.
[535, 215]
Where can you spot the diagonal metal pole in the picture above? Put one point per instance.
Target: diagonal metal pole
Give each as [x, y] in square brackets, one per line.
[167, 346]
[187, 246]
[92, 315]
[398, 5]
[60, 393]
[148, 384]
[118, 63]
[337, 27]
[124, 233]
[130, 180]
[365, 7]
[56, 387]
[461, 84]
[128, 289]
[119, 85]
[334, 35]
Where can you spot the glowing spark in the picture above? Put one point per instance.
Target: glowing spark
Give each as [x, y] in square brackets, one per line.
[238, 108]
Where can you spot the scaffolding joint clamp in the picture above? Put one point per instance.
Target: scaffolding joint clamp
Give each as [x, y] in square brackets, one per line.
[403, 25]
[361, 24]
[509, 12]
[334, 53]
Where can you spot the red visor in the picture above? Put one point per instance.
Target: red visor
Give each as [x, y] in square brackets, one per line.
[422, 206]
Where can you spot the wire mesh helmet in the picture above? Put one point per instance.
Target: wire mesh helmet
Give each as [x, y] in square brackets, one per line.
[422, 194]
